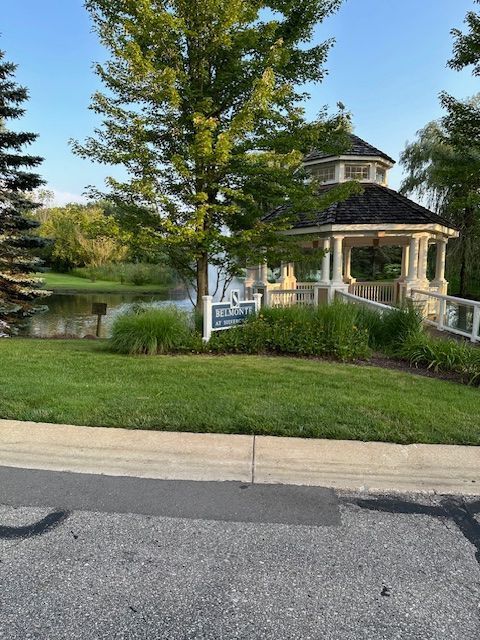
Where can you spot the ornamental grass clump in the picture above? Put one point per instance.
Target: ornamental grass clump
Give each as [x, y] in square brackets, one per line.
[330, 331]
[389, 330]
[441, 355]
[154, 331]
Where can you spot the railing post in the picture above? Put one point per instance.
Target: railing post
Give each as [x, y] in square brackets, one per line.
[207, 317]
[442, 306]
[266, 298]
[476, 324]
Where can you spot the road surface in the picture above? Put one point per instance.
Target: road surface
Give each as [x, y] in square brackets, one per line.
[92, 557]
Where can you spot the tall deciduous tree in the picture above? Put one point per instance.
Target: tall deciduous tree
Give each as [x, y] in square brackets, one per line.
[18, 288]
[204, 111]
[83, 235]
[466, 46]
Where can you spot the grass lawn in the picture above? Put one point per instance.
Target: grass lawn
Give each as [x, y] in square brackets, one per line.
[66, 282]
[79, 382]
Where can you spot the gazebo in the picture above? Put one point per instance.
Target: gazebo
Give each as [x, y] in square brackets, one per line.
[379, 216]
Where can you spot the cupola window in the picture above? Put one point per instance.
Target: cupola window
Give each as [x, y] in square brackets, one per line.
[323, 172]
[381, 175]
[357, 172]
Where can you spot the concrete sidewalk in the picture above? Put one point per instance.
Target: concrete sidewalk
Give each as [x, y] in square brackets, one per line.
[342, 464]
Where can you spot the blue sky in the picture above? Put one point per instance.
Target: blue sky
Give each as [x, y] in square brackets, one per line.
[387, 66]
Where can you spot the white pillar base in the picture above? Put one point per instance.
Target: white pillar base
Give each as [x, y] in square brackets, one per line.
[439, 285]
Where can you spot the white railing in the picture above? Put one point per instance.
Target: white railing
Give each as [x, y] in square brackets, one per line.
[354, 299]
[289, 297]
[306, 285]
[449, 313]
[305, 296]
[383, 292]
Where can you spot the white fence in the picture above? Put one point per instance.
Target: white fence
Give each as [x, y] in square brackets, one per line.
[383, 292]
[449, 313]
[354, 299]
[289, 297]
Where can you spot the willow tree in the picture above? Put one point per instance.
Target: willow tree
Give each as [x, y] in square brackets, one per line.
[18, 287]
[443, 163]
[203, 109]
[444, 168]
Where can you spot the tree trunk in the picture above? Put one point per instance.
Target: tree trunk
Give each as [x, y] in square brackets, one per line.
[463, 273]
[202, 280]
[468, 230]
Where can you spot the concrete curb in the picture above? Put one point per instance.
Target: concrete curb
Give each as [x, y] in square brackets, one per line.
[342, 464]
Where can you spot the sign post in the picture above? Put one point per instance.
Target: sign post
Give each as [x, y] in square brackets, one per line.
[218, 316]
[99, 309]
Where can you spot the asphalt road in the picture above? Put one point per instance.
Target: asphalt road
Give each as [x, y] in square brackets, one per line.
[93, 557]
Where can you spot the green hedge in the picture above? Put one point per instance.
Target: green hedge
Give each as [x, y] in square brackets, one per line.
[310, 331]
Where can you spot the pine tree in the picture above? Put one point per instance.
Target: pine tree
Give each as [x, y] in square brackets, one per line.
[18, 287]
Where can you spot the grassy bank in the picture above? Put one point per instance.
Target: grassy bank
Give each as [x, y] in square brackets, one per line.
[66, 282]
[79, 382]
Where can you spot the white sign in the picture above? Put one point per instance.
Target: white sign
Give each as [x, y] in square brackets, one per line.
[218, 316]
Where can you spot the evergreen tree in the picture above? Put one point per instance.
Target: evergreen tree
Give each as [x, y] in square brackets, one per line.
[18, 288]
[203, 109]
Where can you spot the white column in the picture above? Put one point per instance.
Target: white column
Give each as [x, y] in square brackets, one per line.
[347, 264]
[405, 256]
[440, 284]
[440, 262]
[251, 277]
[337, 260]
[283, 271]
[290, 282]
[413, 259]
[263, 272]
[422, 258]
[326, 261]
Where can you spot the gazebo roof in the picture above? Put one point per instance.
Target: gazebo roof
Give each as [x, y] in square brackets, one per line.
[358, 148]
[375, 205]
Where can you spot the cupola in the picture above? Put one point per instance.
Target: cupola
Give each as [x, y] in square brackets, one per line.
[361, 162]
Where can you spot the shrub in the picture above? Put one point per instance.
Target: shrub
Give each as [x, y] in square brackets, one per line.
[308, 331]
[443, 355]
[154, 331]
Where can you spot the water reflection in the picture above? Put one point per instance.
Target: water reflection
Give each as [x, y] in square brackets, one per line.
[459, 316]
[70, 315]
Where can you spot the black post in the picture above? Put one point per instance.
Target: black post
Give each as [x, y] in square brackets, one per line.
[99, 325]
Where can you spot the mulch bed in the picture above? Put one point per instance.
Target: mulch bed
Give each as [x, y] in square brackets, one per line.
[379, 360]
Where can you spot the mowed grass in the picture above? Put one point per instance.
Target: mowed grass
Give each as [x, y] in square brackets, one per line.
[67, 282]
[79, 382]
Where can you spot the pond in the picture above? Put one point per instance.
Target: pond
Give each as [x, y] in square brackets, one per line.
[70, 315]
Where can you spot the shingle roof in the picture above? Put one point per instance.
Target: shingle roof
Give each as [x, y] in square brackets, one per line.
[375, 205]
[359, 148]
